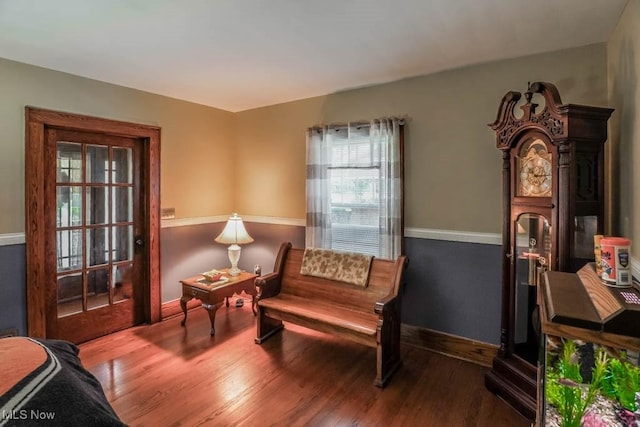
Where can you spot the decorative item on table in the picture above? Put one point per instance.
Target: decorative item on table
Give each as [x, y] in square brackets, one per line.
[235, 235]
[213, 275]
[616, 267]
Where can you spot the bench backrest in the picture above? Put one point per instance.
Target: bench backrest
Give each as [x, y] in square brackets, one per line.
[385, 278]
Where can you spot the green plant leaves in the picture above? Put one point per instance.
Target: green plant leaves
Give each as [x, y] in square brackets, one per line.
[621, 382]
[564, 387]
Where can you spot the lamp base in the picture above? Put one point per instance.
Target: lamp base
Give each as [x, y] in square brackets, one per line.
[234, 256]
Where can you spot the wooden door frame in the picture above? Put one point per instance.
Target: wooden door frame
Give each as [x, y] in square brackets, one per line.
[38, 280]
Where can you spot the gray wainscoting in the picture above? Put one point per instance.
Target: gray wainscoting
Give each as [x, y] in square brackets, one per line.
[451, 287]
[186, 251]
[268, 238]
[13, 289]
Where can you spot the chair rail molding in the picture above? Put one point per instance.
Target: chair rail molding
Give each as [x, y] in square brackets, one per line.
[419, 233]
[299, 222]
[12, 239]
[182, 222]
[454, 235]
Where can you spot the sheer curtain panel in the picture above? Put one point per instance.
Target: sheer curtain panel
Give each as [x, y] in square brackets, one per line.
[387, 134]
[354, 187]
[318, 230]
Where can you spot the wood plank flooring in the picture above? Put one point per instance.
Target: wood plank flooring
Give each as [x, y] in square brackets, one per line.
[167, 375]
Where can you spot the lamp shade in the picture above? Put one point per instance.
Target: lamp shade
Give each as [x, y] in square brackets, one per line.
[234, 232]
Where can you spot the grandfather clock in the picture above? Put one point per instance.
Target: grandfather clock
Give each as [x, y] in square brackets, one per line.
[553, 205]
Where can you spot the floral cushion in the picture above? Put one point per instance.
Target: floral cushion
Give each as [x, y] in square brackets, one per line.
[345, 267]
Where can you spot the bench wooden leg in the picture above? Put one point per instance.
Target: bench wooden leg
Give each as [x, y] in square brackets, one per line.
[386, 368]
[388, 350]
[266, 327]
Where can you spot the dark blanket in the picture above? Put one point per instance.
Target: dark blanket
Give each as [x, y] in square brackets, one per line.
[43, 383]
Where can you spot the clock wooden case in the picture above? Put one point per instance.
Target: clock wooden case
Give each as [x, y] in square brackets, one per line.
[553, 205]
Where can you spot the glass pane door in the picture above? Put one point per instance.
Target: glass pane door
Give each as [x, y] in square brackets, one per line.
[532, 257]
[94, 226]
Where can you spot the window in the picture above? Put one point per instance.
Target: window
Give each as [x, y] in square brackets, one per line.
[354, 191]
[354, 181]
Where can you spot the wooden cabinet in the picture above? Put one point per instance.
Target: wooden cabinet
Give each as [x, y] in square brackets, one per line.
[553, 205]
[585, 324]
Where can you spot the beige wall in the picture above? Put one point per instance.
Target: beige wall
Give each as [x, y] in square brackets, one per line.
[453, 170]
[197, 156]
[624, 154]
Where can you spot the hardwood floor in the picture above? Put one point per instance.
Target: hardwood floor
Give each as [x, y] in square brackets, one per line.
[166, 375]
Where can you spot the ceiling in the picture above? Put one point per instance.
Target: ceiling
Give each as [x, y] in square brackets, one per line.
[242, 54]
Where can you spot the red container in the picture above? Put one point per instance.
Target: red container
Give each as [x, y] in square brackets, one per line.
[616, 262]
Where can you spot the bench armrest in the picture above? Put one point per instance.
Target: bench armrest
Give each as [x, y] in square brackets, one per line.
[267, 286]
[391, 303]
[386, 304]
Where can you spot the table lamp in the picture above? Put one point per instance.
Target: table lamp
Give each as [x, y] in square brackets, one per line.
[235, 235]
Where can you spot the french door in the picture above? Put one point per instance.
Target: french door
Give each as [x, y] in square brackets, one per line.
[92, 225]
[98, 234]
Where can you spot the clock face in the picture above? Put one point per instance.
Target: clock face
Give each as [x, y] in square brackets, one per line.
[535, 169]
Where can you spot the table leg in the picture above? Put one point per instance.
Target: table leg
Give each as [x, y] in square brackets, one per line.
[183, 305]
[253, 304]
[212, 308]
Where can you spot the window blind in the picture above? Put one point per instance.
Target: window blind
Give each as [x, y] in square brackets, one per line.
[354, 175]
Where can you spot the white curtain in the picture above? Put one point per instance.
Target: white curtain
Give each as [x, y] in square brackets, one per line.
[318, 231]
[384, 137]
[386, 134]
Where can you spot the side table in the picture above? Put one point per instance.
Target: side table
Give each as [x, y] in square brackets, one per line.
[213, 294]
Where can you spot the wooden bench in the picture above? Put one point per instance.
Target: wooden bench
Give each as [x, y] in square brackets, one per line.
[368, 315]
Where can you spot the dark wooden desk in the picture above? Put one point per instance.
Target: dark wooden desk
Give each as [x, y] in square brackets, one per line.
[213, 294]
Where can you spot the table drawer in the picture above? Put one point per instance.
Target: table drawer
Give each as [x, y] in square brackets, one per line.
[195, 292]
